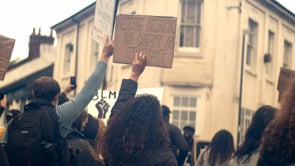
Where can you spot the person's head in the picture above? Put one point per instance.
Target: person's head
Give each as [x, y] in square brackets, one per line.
[166, 112]
[188, 131]
[278, 145]
[136, 129]
[262, 117]
[221, 147]
[46, 88]
[81, 121]
[91, 127]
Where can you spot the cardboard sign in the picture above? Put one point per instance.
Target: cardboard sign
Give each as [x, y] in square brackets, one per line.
[104, 20]
[6, 47]
[152, 35]
[286, 75]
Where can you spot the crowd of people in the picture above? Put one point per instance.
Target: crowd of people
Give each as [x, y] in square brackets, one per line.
[57, 131]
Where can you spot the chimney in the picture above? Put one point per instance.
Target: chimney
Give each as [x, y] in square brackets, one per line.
[35, 41]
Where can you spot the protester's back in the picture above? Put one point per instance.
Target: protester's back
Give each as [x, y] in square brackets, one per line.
[33, 137]
[177, 141]
[248, 153]
[80, 151]
[219, 151]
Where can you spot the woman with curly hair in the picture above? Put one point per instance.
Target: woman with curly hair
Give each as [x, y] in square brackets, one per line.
[248, 153]
[135, 134]
[219, 151]
[278, 141]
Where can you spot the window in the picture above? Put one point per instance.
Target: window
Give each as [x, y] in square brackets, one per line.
[67, 58]
[190, 23]
[252, 44]
[246, 117]
[287, 54]
[271, 48]
[184, 111]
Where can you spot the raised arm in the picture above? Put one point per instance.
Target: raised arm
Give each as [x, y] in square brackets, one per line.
[69, 111]
[129, 86]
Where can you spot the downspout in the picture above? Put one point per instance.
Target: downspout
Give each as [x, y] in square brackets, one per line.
[77, 46]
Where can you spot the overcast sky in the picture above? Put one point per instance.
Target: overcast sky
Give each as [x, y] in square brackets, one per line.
[19, 17]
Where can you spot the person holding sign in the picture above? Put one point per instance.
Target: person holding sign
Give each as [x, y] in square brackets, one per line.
[136, 133]
[278, 145]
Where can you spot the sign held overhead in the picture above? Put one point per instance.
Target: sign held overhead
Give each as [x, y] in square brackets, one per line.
[105, 11]
[6, 47]
[285, 77]
[152, 35]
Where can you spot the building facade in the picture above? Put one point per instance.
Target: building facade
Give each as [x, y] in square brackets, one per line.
[223, 50]
[18, 81]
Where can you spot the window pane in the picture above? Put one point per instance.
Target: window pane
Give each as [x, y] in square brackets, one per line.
[193, 102]
[176, 101]
[175, 114]
[183, 115]
[184, 102]
[192, 116]
[189, 36]
[191, 13]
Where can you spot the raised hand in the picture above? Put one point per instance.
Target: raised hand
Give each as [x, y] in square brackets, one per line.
[107, 50]
[138, 66]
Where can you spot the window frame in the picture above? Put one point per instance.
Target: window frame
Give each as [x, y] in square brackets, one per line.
[246, 118]
[69, 50]
[252, 44]
[179, 110]
[197, 25]
[287, 55]
[269, 66]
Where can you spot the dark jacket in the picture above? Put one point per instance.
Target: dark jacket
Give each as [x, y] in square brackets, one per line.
[79, 153]
[162, 156]
[38, 125]
[178, 143]
[3, 156]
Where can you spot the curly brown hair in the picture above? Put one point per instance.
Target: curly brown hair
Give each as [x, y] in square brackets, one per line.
[134, 131]
[278, 141]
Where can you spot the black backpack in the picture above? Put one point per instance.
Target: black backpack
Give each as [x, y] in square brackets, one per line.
[33, 137]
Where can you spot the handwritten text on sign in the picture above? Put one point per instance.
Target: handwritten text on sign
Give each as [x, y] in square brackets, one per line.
[103, 20]
[152, 35]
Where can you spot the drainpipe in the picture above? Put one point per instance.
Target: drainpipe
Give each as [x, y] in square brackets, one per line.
[77, 46]
[241, 86]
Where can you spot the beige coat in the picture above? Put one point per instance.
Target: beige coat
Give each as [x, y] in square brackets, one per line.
[203, 159]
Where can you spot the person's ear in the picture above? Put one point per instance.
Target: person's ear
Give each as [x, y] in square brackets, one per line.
[55, 99]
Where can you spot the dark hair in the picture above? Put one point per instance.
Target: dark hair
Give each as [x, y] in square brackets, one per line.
[189, 128]
[135, 130]
[165, 110]
[46, 88]
[78, 122]
[1, 96]
[278, 140]
[262, 117]
[91, 127]
[221, 147]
